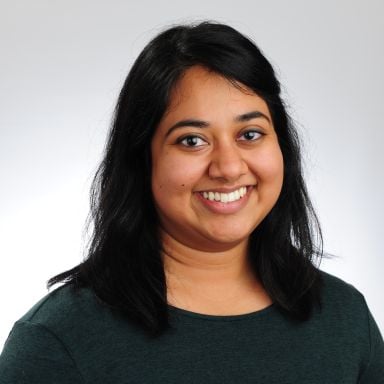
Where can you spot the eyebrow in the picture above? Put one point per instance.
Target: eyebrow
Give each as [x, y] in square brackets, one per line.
[203, 124]
[251, 115]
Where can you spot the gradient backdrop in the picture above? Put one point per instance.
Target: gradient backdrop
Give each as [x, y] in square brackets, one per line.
[62, 65]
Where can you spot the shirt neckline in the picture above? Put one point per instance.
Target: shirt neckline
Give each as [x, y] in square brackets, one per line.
[203, 316]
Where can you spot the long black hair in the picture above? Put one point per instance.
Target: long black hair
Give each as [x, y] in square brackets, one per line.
[124, 265]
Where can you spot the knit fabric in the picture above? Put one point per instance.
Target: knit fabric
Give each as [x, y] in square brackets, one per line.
[69, 337]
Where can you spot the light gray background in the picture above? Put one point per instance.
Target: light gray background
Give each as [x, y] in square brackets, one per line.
[62, 65]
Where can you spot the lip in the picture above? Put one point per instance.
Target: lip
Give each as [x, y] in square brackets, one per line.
[224, 208]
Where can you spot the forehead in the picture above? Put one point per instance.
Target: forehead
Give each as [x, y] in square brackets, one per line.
[202, 93]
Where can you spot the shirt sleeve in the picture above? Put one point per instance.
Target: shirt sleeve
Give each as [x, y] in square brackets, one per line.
[33, 354]
[374, 371]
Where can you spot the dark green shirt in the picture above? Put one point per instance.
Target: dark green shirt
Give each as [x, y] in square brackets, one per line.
[71, 338]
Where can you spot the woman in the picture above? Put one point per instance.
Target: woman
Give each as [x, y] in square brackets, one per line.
[202, 267]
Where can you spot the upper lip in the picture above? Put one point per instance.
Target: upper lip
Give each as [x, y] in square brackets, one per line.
[224, 189]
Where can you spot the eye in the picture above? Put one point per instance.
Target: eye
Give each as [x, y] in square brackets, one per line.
[191, 141]
[250, 135]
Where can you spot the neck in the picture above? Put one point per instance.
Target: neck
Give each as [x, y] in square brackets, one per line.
[195, 276]
[202, 266]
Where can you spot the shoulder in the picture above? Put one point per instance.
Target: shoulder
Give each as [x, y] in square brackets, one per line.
[343, 305]
[54, 335]
[38, 347]
[346, 312]
[71, 317]
[71, 314]
[340, 293]
[62, 305]
[76, 317]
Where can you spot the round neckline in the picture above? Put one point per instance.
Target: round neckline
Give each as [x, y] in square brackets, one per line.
[203, 316]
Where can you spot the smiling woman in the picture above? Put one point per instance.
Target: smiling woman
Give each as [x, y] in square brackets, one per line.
[215, 147]
[203, 266]
[216, 173]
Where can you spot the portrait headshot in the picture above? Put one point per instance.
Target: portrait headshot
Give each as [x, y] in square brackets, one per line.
[192, 193]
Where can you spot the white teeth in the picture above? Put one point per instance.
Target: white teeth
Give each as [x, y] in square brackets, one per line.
[226, 197]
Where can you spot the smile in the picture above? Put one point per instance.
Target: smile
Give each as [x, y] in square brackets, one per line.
[225, 197]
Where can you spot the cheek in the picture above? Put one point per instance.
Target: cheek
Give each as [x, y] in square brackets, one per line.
[269, 166]
[175, 176]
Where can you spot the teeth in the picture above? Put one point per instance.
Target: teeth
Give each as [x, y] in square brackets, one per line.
[226, 197]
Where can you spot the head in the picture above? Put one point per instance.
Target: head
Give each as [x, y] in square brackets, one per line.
[146, 96]
[217, 167]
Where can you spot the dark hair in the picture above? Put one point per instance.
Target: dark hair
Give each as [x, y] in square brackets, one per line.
[124, 264]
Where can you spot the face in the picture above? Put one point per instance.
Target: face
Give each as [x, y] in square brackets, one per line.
[217, 168]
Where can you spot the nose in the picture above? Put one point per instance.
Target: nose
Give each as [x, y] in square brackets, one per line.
[227, 163]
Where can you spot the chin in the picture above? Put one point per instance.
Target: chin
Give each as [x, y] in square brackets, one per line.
[229, 237]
